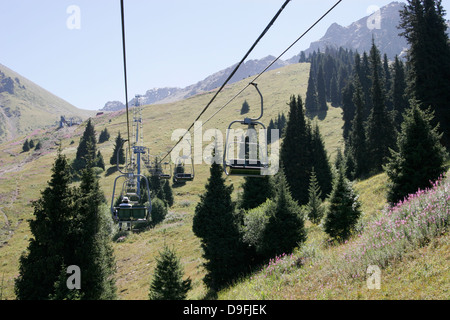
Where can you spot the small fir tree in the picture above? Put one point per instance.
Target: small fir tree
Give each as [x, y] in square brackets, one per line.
[256, 191]
[118, 152]
[167, 282]
[86, 149]
[285, 229]
[315, 208]
[26, 146]
[420, 156]
[215, 224]
[344, 208]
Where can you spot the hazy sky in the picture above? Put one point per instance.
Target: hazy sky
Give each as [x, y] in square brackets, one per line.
[73, 48]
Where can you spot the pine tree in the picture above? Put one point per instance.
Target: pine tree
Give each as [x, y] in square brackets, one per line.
[83, 151]
[104, 136]
[334, 95]
[256, 191]
[216, 226]
[168, 193]
[424, 28]
[26, 146]
[398, 92]
[285, 229]
[380, 129]
[420, 157]
[118, 149]
[167, 282]
[315, 209]
[348, 109]
[38, 146]
[357, 139]
[319, 159]
[99, 160]
[344, 208]
[295, 152]
[321, 92]
[31, 144]
[311, 102]
[47, 251]
[91, 240]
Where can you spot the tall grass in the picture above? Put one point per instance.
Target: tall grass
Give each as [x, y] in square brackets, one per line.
[410, 224]
[319, 271]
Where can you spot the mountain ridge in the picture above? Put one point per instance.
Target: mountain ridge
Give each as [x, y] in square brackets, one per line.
[25, 106]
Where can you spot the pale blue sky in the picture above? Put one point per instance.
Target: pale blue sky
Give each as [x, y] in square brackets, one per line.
[169, 42]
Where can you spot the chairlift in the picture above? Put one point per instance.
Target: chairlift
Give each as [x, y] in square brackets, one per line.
[251, 159]
[131, 210]
[183, 172]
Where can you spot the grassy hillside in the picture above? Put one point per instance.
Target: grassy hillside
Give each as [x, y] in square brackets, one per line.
[24, 175]
[25, 106]
[409, 243]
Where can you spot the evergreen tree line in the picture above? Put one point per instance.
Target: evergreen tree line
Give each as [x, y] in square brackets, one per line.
[268, 217]
[328, 76]
[29, 144]
[396, 114]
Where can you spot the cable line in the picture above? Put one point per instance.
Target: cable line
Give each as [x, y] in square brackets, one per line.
[275, 60]
[125, 72]
[231, 75]
[259, 75]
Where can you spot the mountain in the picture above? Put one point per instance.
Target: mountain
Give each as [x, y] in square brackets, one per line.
[167, 95]
[381, 25]
[25, 106]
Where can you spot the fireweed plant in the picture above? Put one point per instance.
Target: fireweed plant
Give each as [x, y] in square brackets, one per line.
[408, 225]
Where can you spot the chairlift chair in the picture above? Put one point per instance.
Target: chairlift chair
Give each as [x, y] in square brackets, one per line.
[251, 160]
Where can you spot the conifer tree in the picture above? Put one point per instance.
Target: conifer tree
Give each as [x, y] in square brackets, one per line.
[319, 159]
[118, 148]
[167, 282]
[420, 156]
[357, 138]
[104, 136]
[256, 191]
[26, 146]
[38, 146]
[83, 151]
[321, 92]
[315, 209]
[168, 193]
[398, 91]
[295, 151]
[344, 208]
[380, 129]
[425, 29]
[216, 226]
[91, 240]
[348, 109]
[285, 229]
[311, 102]
[47, 251]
